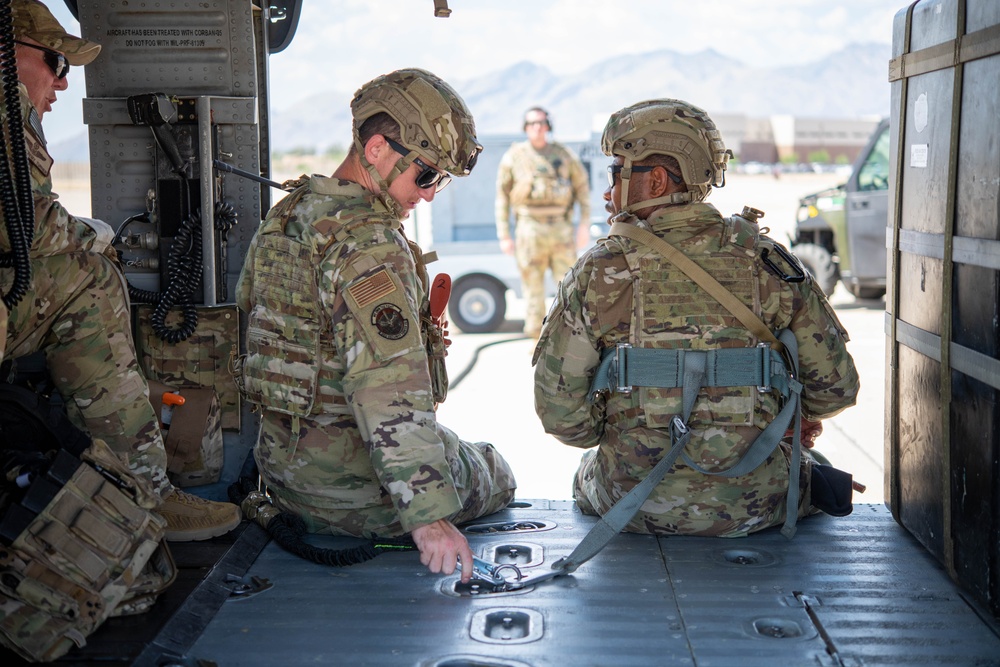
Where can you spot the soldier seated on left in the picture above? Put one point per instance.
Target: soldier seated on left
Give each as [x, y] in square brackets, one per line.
[76, 309]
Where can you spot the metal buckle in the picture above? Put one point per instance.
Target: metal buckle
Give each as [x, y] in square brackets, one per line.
[677, 424]
[488, 571]
[765, 367]
[620, 368]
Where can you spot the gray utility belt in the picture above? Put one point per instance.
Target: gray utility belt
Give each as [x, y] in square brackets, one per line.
[624, 367]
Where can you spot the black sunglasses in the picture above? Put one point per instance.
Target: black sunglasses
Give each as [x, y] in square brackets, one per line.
[614, 169]
[56, 61]
[429, 177]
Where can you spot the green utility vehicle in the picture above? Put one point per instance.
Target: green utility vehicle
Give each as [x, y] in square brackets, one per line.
[840, 232]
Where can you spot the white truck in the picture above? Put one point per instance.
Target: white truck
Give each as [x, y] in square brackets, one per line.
[460, 226]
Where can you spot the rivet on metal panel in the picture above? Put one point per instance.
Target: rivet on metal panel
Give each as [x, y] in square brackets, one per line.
[778, 628]
[745, 558]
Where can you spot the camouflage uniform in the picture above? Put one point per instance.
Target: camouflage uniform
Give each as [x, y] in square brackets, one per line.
[542, 186]
[76, 312]
[338, 357]
[622, 291]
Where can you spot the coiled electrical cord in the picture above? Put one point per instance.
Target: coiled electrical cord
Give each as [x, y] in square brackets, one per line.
[289, 531]
[183, 275]
[16, 197]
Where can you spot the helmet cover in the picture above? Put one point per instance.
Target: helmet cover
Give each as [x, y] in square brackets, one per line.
[433, 119]
[675, 128]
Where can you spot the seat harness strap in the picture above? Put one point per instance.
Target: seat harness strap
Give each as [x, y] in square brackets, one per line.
[625, 367]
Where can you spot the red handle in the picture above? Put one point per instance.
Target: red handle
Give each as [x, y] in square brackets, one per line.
[440, 293]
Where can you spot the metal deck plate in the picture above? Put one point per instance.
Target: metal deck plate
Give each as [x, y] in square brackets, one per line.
[851, 591]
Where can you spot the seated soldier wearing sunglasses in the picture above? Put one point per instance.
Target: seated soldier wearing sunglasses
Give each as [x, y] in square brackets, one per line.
[343, 353]
[75, 309]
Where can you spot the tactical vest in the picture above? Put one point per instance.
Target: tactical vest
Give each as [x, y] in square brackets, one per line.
[712, 362]
[670, 311]
[286, 368]
[541, 180]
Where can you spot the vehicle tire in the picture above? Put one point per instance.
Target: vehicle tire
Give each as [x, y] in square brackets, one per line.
[478, 304]
[867, 292]
[819, 262]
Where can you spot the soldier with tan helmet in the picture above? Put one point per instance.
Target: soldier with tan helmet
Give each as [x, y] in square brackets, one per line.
[541, 181]
[690, 348]
[343, 355]
[76, 308]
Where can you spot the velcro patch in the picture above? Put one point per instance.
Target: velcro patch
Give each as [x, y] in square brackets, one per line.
[390, 322]
[372, 288]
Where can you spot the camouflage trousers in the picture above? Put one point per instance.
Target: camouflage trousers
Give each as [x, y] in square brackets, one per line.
[483, 479]
[76, 313]
[687, 502]
[540, 247]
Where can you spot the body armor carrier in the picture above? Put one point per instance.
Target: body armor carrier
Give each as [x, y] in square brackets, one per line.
[284, 369]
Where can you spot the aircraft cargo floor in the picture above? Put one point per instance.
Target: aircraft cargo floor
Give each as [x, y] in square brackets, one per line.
[854, 591]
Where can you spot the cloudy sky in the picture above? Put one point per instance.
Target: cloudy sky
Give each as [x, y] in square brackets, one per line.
[340, 44]
[354, 40]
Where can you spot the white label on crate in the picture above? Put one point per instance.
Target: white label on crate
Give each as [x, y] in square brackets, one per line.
[920, 112]
[918, 155]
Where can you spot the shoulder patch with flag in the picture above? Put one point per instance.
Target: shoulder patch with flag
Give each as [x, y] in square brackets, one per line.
[372, 288]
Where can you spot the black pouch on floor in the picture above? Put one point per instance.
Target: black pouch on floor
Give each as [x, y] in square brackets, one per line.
[831, 490]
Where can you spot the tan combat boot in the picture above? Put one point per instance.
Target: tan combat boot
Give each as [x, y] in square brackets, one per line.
[190, 518]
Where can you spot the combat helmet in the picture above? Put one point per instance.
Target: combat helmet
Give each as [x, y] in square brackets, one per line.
[668, 127]
[434, 122]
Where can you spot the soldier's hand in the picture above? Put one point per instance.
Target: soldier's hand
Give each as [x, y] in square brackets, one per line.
[810, 431]
[507, 246]
[444, 334]
[442, 546]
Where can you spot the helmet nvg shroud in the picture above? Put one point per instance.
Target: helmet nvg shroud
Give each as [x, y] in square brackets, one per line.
[434, 122]
[668, 127]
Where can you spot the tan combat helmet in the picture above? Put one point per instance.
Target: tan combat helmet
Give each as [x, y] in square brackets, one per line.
[434, 122]
[668, 127]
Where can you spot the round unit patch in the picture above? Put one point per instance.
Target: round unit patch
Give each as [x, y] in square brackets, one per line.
[390, 321]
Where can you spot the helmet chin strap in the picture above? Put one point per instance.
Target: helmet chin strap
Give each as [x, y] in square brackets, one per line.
[668, 200]
[384, 183]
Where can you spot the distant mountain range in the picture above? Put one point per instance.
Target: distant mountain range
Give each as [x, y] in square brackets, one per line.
[850, 83]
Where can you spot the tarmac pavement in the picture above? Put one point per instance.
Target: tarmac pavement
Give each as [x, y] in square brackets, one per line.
[493, 402]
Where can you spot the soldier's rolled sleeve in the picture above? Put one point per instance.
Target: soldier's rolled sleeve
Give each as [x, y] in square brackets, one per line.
[565, 361]
[830, 379]
[392, 402]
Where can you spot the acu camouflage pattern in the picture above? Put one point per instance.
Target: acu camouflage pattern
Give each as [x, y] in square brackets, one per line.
[542, 187]
[83, 555]
[337, 359]
[56, 231]
[624, 292]
[193, 442]
[77, 313]
[205, 359]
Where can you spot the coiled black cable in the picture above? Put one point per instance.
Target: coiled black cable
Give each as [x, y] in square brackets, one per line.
[16, 197]
[288, 531]
[183, 275]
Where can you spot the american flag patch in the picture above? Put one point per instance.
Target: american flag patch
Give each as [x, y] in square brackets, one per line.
[372, 288]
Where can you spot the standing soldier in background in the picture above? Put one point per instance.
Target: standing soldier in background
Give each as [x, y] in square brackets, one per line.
[542, 181]
[76, 309]
[666, 340]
